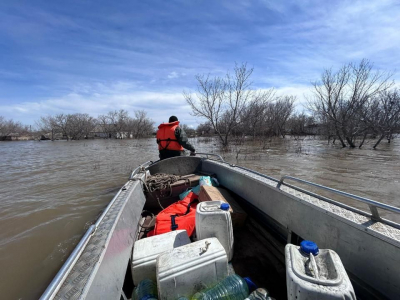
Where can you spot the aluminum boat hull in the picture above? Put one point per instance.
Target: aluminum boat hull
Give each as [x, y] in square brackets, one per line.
[369, 250]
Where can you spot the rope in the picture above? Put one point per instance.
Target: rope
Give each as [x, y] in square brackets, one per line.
[160, 181]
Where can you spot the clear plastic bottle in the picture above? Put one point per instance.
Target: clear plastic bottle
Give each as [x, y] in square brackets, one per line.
[232, 287]
[146, 290]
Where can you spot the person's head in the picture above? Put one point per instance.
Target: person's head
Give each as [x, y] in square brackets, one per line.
[172, 119]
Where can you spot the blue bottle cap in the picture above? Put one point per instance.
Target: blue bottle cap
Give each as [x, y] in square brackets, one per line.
[224, 206]
[252, 286]
[309, 247]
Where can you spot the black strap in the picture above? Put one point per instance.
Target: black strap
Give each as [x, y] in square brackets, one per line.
[168, 140]
[188, 207]
[174, 226]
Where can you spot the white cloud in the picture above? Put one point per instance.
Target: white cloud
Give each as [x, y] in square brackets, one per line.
[173, 75]
[299, 91]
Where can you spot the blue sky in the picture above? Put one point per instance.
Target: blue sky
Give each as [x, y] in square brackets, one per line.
[96, 56]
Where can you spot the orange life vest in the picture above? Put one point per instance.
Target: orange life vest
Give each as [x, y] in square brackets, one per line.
[177, 216]
[166, 138]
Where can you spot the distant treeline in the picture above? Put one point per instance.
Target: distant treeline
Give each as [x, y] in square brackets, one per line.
[347, 105]
[11, 127]
[115, 124]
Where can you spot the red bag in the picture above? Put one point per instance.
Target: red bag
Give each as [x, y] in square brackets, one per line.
[178, 216]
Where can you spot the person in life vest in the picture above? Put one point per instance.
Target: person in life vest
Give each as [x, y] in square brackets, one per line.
[172, 139]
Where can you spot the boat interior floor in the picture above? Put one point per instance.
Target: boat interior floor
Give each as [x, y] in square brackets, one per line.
[253, 257]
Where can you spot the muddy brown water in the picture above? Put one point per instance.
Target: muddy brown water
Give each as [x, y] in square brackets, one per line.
[51, 192]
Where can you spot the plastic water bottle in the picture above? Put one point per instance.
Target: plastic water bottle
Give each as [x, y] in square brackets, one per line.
[258, 294]
[232, 287]
[146, 290]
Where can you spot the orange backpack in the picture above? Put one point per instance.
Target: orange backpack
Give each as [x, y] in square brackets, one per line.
[177, 216]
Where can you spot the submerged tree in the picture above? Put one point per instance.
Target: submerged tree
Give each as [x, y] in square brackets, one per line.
[209, 101]
[255, 114]
[229, 102]
[117, 120]
[80, 126]
[140, 125]
[71, 126]
[300, 123]
[9, 127]
[280, 111]
[341, 97]
[383, 116]
[204, 128]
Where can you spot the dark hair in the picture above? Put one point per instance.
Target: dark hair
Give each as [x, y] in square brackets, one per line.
[172, 119]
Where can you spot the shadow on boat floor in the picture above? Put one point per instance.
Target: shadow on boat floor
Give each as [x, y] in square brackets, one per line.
[255, 257]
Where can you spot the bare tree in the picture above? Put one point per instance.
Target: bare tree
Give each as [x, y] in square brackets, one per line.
[299, 123]
[79, 126]
[339, 97]
[9, 127]
[118, 119]
[45, 126]
[88, 124]
[384, 116]
[238, 94]
[105, 125]
[71, 126]
[189, 131]
[60, 124]
[115, 123]
[254, 114]
[209, 100]
[144, 125]
[140, 126]
[280, 112]
[221, 100]
[130, 127]
[2, 124]
[204, 128]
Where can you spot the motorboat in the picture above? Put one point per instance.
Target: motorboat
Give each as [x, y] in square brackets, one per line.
[279, 211]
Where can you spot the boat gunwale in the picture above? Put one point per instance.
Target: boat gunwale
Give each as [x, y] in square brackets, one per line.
[373, 204]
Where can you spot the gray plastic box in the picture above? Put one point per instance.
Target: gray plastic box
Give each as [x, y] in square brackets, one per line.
[146, 251]
[189, 269]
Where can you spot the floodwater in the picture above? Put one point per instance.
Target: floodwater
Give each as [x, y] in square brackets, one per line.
[51, 192]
